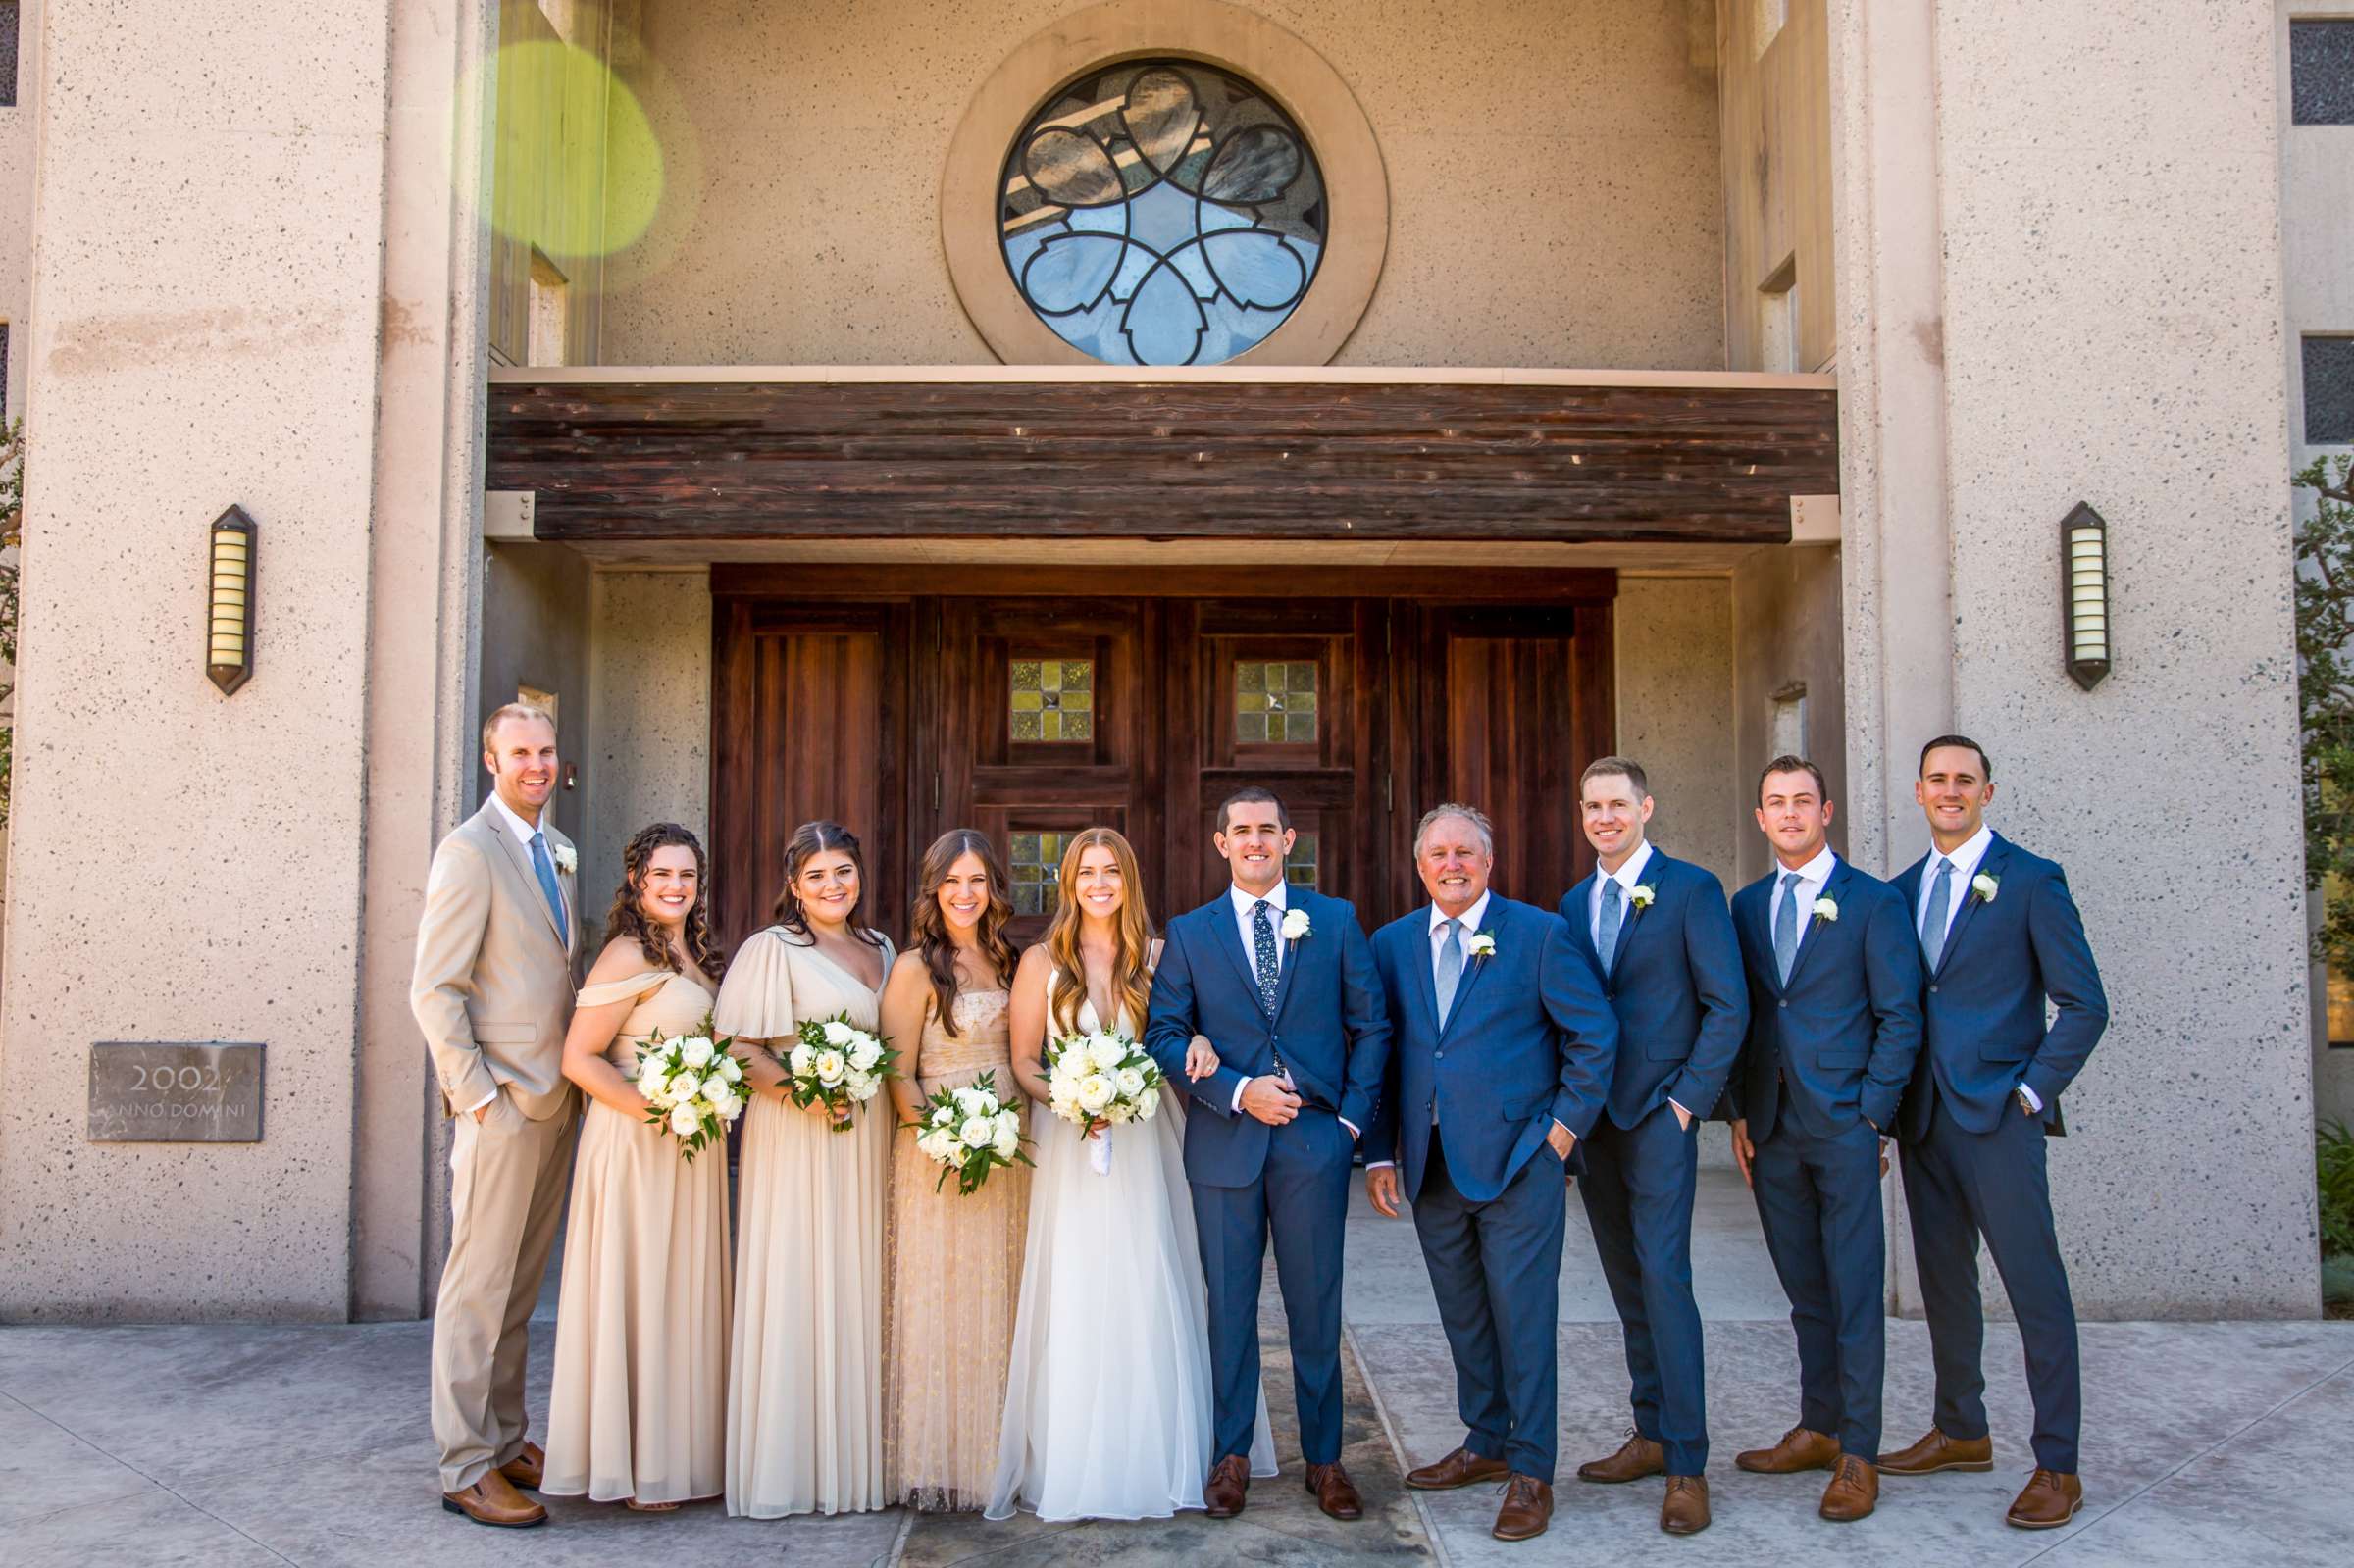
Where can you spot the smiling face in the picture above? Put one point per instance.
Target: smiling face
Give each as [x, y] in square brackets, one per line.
[522, 759]
[1096, 885]
[666, 892]
[1454, 861]
[1792, 813]
[1954, 791]
[964, 893]
[828, 888]
[1253, 843]
[1612, 813]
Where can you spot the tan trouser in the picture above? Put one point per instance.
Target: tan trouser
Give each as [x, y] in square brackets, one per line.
[506, 1194]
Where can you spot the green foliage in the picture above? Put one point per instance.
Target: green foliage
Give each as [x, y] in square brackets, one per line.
[2333, 1171]
[2326, 697]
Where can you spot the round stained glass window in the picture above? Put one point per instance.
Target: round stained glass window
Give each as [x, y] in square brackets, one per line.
[1162, 212]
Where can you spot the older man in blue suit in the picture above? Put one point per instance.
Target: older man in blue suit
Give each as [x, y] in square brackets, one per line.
[2000, 936]
[1503, 1050]
[1282, 981]
[1659, 930]
[1834, 1025]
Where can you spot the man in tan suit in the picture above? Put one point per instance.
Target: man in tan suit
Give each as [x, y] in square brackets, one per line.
[494, 993]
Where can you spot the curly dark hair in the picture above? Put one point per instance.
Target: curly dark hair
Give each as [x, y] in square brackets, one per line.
[928, 928]
[629, 920]
[816, 839]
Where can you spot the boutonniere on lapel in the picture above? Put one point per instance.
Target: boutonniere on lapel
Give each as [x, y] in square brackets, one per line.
[1983, 887]
[1483, 946]
[1826, 911]
[568, 859]
[1294, 924]
[1641, 894]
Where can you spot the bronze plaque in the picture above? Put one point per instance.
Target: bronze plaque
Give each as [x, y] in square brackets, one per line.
[168, 1092]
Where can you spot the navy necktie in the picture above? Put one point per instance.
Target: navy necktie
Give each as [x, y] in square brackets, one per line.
[546, 869]
[1262, 939]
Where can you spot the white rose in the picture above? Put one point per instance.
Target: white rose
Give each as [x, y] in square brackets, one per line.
[714, 1089]
[1009, 1121]
[684, 1120]
[829, 1067]
[933, 1146]
[978, 1132]
[651, 1073]
[696, 1052]
[1984, 886]
[864, 1054]
[1117, 1112]
[1131, 1082]
[1009, 1143]
[1295, 924]
[799, 1058]
[1107, 1052]
[862, 1085]
[1094, 1093]
[730, 1069]
[837, 1033]
[974, 1100]
[1149, 1107]
[943, 1115]
[728, 1109]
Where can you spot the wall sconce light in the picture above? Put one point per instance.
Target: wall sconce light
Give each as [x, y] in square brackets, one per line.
[2084, 595]
[228, 608]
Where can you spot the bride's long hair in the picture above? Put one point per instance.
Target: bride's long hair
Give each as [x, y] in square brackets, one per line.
[1132, 952]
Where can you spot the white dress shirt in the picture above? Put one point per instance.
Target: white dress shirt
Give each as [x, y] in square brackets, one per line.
[1812, 878]
[1626, 875]
[1966, 858]
[524, 832]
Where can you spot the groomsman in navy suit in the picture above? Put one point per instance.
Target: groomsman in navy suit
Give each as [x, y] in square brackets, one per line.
[1502, 1055]
[1834, 1026]
[1658, 932]
[1281, 979]
[2000, 936]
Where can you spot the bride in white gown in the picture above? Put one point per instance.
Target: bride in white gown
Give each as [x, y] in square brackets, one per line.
[1109, 1394]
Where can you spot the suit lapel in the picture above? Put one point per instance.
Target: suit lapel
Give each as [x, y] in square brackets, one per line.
[1581, 925]
[522, 866]
[1288, 964]
[1631, 921]
[1473, 967]
[1808, 937]
[1989, 864]
[1760, 916]
[1426, 986]
[1229, 940]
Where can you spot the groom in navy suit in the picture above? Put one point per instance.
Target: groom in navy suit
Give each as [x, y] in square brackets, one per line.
[1834, 1026]
[1502, 1056]
[1282, 981]
[1659, 930]
[1999, 936]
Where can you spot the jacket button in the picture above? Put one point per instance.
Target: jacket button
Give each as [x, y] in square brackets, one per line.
[1932, 987]
[1783, 1003]
[1437, 1056]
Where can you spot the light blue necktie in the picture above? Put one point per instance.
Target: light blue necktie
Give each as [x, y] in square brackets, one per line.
[547, 868]
[1932, 919]
[1611, 910]
[1785, 925]
[1451, 969]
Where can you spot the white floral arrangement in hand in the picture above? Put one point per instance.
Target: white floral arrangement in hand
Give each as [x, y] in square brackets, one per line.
[694, 1087]
[1101, 1081]
[837, 1064]
[1294, 924]
[969, 1131]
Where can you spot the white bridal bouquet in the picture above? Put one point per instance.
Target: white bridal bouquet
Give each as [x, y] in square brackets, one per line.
[837, 1063]
[694, 1087]
[1100, 1080]
[971, 1131]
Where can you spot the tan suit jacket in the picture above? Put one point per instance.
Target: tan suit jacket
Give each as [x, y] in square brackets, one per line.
[493, 989]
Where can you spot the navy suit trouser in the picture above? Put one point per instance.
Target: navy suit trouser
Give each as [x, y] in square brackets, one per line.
[1639, 1186]
[1300, 1197]
[1819, 1201]
[1495, 1269]
[1960, 1185]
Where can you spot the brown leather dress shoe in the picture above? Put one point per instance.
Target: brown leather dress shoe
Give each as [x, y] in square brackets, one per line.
[1222, 1493]
[1854, 1492]
[1684, 1511]
[1936, 1452]
[527, 1468]
[1800, 1450]
[1334, 1492]
[1461, 1468]
[2050, 1500]
[1527, 1509]
[1636, 1458]
[493, 1501]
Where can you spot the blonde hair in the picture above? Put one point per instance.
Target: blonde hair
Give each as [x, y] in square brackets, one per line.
[1132, 957]
[515, 710]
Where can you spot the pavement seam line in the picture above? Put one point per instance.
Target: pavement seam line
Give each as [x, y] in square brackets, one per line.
[899, 1543]
[167, 1491]
[2154, 1482]
[1389, 1429]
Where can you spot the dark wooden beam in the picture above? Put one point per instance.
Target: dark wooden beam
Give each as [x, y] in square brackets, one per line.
[870, 580]
[624, 460]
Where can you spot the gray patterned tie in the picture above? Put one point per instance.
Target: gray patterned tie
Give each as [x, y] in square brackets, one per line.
[1785, 925]
[1932, 919]
[1611, 910]
[1451, 969]
[1263, 937]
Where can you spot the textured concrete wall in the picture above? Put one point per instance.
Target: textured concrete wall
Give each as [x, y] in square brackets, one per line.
[16, 202]
[536, 608]
[206, 848]
[2090, 298]
[1676, 717]
[649, 756]
[1786, 636]
[1553, 169]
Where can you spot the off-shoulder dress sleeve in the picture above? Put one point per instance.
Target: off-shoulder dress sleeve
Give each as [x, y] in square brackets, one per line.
[629, 990]
[756, 999]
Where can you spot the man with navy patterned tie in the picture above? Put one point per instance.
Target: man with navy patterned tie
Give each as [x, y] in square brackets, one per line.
[1999, 935]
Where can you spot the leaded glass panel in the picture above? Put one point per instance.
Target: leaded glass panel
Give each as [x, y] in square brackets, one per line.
[1036, 867]
[1274, 701]
[2321, 72]
[1300, 866]
[2328, 390]
[1052, 699]
[1162, 212]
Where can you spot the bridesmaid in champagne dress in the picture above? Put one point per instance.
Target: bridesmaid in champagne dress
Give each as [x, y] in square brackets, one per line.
[806, 1394]
[637, 1410]
[955, 1261]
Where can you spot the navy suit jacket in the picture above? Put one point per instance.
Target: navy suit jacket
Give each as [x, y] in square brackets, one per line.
[1329, 1027]
[1676, 984]
[1983, 1009]
[1529, 1044]
[1839, 1041]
